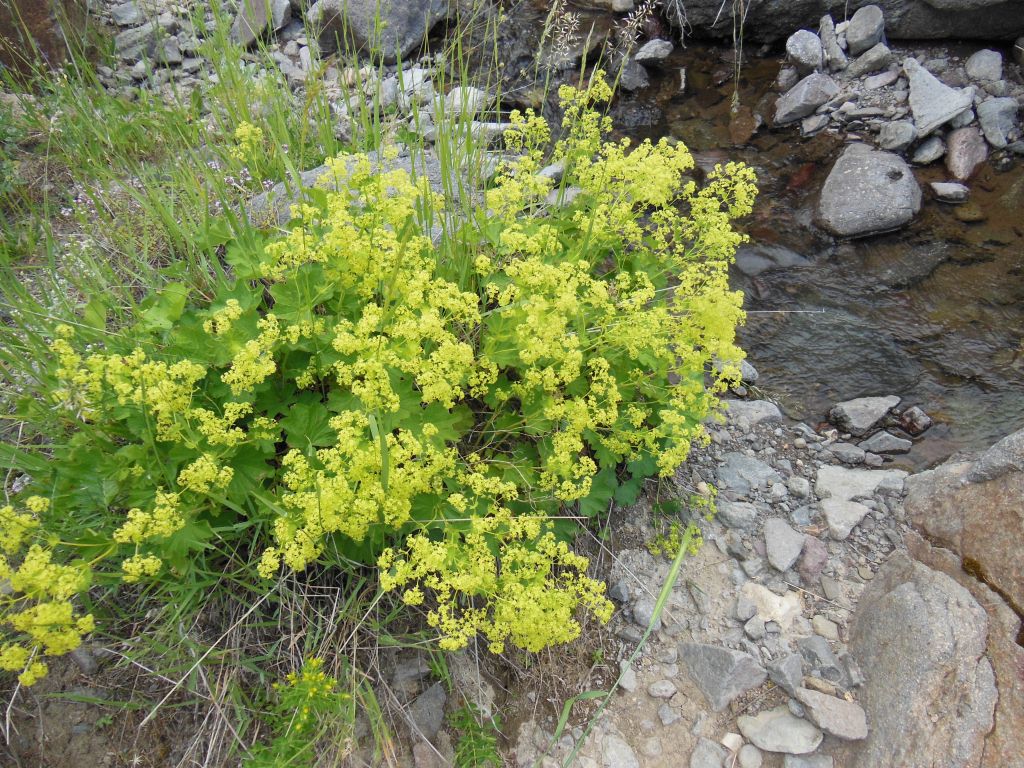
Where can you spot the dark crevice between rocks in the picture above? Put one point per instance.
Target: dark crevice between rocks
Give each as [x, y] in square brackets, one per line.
[973, 568]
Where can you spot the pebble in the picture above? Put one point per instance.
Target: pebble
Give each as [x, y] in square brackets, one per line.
[707, 754]
[627, 676]
[782, 543]
[838, 717]
[616, 753]
[826, 628]
[661, 689]
[668, 715]
[750, 756]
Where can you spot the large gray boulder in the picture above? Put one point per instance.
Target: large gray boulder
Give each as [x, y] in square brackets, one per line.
[403, 24]
[865, 30]
[866, 192]
[930, 693]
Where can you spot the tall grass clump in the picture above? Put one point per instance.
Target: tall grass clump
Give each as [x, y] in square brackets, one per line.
[413, 397]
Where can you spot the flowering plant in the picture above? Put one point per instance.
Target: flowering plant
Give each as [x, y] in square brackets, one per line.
[447, 408]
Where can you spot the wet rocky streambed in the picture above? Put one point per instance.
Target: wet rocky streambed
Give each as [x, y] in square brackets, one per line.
[933, 313]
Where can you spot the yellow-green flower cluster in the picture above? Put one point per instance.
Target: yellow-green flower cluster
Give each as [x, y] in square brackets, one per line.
[36, 603]
[248, 142]
[507, 578]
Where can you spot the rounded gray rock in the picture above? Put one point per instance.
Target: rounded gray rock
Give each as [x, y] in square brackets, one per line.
[804, 50]
[867, 192]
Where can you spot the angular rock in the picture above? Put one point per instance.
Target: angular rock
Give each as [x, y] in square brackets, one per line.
[842, 517]
[1005, 456]
[782, 609]
[875, 58]
[737, 514]
[804, 97]
[654, 52]
[865, 29]
[427, 711]
[897, 135]
[930, 691]
[256, 17]
[788, 672]
[965, 151]
[633, 76]
[949, 192]
[742, 474]
[930, 150]
[842, 484]
[720, 673]
[985, 65]
[914, 421]
[843, 719]
[861, 415]
[127, 14]
[778, 730]
[835, 59]
[813, 559]
[866, 192]
[818, 653]
[403, 24]
[782, 543]
[707, 754]
[804, 50]
[886, 442]
[998, 118]
[932, 102]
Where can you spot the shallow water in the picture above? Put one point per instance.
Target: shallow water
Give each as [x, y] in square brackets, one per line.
[933, 313]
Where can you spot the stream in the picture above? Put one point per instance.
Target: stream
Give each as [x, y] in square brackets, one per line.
[933, 313]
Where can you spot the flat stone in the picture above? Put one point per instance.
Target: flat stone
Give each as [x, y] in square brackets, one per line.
[886, 442]
[848, 453]
[813, 124]
[654, 52]
[867, 191]
[643, 613]
[721, 674]
[930, 150]
[737, 514]
[127, 14]
[825, 627]
[897, 135]
[808, 761]
[932, 102]
[799, 486]
[875, 58]
[804, 51]
[882, 80]
[965, 151]
[985, 65]
[742, 474]
[948, 192]
[787, 672]
[838, 717]
[865, 29]
[661, 689]
[998, 119]
[778, 730]
[746, 414]
[707, 754]
[804, 97]
[842, 517]
[860, 415]
[782, 543]
[616, 753]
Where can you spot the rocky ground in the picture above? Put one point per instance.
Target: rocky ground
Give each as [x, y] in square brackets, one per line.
[841, 612]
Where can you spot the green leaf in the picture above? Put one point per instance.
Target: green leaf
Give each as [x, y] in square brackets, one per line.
[95, 313]
[165, 308]
[180, 547]
[602, 488]
[306, 424]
